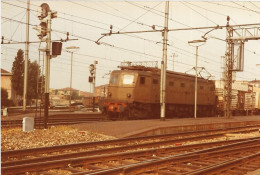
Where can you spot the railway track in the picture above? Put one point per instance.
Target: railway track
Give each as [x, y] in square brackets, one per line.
[124, 152]
[61, 119]
[228, 159]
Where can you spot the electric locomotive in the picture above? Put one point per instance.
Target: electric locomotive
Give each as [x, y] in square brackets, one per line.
[134, 92]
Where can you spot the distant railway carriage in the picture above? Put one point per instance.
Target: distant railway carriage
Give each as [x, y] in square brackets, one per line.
[134, 92]
[256, 91]
[243, 101]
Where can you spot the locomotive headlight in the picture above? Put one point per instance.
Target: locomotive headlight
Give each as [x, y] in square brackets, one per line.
[109, 94]
[128, 95]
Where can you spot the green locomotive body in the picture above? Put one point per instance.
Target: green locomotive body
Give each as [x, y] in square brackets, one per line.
[134, 92]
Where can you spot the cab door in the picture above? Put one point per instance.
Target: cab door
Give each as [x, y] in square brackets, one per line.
[155, 90]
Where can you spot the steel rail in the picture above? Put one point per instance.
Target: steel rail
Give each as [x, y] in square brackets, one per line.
[226, 165]
[54, 121]
[120, 149]
[108, 157]
[59, 148]
[156, 164]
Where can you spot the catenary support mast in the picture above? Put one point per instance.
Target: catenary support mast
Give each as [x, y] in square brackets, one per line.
[26, 56]
[228, 72]
[164, 63]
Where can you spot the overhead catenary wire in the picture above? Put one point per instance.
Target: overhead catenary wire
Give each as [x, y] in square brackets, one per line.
[123, 48]
[254, 4]
[107, 13]
[228, 6]
[198, 13]
[130, 35]
[114, 46]
[140, 16]
[246, 7]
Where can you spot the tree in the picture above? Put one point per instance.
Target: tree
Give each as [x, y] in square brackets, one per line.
[18, 71]
[33, 71]
[4, 97]
[75, 96]
[18, 76]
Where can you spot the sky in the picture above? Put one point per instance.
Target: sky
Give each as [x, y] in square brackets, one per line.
[86, 21]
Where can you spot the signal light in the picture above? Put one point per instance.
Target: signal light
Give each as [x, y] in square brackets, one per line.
[56, 48]
[90, 79]
[43, 11]
[92, 69]
[43, 30]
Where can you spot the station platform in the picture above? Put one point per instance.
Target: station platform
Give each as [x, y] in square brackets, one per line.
[132, 128]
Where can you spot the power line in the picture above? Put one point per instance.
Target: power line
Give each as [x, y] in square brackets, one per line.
[12, 17]
[92, 41]
[17, 27]
[229, 6]
[198, 13]
[107, 13]
[123, 48]
[246, 7]
[140, 16]
[254, 5]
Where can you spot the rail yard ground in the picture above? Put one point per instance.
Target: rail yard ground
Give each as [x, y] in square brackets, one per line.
[12, 138]
[96, 139]
[130, 128]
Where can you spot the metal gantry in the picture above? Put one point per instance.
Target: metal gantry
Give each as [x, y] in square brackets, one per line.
[228, 72]
[235, 61]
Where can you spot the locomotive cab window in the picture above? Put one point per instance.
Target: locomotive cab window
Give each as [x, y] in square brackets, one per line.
[155, 81]
[128, 79]
[142, 80]
[114, 79]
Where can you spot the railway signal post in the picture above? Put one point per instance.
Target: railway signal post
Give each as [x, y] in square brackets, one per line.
[44, 29]
[92, 80]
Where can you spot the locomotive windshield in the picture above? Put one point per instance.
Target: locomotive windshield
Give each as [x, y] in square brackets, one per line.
[114, 79]
[128, 79]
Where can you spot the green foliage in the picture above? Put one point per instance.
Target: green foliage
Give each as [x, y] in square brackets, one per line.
[18, 76]
[75, 96]
[33, 71]
[18, 71]
[4, 97]
[5, 102]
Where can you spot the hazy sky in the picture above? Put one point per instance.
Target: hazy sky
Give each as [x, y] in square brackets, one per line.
[87, 20]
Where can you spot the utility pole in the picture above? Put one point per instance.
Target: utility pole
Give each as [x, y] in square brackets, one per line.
[228, 73]
[26, 56]
[164, 63]
[173, 56]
